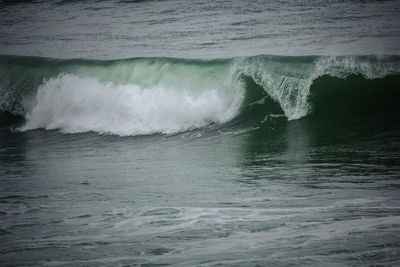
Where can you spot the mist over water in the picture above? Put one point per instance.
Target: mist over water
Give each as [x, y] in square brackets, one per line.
[199, 133]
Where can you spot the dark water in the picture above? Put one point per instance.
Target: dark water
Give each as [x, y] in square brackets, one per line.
[236, 158]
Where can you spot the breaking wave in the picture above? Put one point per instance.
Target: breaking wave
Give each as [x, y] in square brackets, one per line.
[162, 95]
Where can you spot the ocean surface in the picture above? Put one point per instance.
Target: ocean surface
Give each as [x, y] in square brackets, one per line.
[199, 133]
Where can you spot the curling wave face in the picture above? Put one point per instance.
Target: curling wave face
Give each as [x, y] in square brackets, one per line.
[161, 95]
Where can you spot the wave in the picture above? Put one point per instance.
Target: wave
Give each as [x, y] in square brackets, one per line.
[165, 95]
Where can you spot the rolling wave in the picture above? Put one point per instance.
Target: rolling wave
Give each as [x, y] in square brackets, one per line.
[164, 95]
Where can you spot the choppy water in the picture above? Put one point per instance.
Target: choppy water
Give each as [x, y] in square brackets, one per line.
[198, 29]
[231, 158]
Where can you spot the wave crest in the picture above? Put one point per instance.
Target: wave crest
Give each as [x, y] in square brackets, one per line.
[288, 80]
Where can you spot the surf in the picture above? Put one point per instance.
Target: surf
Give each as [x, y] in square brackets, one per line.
[142, 96]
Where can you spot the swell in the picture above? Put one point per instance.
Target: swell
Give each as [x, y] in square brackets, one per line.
[166, 95]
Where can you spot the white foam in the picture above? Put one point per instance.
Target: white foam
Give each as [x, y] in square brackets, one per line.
[286, 84]
[369, 67]
[76, 104]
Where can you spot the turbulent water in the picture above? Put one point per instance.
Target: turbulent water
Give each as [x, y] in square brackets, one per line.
[196, 133]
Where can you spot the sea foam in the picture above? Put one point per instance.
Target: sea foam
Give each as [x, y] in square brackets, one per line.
[76, 104]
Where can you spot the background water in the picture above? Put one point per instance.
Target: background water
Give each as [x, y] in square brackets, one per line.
[198, 29]
[250, 160]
